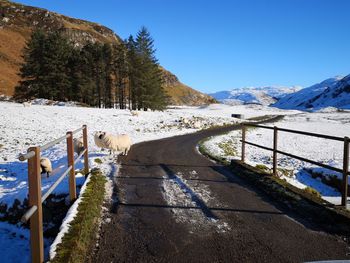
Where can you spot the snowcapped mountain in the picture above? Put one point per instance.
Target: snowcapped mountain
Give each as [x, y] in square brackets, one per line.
[253, 95]
[333, 92]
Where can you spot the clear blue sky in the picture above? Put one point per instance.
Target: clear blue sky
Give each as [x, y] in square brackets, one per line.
[218, 45]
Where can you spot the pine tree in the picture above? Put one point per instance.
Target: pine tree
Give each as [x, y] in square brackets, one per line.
[153, 95]
[121, 73]
[135, 75]
[107, 61]
[44, 71]
[55, 61]
[88, 70]
[31, 69]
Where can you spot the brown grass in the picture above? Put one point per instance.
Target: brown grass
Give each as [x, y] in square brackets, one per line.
[12, 42]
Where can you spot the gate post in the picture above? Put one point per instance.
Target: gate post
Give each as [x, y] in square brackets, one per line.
[274, 156]
[86, 154]
[36, 220]
[70, 157]
[244, 128]
[344, 199]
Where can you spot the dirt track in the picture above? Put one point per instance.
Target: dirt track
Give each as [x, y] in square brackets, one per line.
[174, 205]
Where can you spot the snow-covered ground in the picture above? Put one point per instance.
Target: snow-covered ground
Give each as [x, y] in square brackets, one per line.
[329, 152]
[21, 127]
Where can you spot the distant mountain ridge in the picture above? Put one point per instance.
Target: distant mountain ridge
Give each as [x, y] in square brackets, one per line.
[332, 92]
[253, 95]
[17, 21]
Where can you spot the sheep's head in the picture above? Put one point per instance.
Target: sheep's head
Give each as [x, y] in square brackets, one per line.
[100, 134]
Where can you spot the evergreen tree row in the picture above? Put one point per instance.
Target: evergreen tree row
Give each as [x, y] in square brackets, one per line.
[126, 75]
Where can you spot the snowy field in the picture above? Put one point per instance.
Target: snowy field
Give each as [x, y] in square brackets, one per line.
[329, 152]
[22, 127]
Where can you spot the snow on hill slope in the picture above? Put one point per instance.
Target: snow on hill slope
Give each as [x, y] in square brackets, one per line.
[253, 95]
[333, 92]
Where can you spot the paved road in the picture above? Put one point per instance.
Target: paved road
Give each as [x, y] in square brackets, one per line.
[175, 205]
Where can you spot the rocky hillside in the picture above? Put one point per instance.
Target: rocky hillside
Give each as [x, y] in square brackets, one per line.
[332, 92]
[17, 22]
[181, 94]
[253, 95]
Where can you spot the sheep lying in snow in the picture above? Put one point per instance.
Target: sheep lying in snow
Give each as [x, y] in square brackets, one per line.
[197, 125]
[134, 113]
[98, 140]
[27, 104]
[116, 143]
[78, 144]
[185, 120]
[45, 166]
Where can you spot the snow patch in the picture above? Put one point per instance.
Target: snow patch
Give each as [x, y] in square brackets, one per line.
[189, 201]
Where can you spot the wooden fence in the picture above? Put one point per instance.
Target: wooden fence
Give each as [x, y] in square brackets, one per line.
[34, 213]
[275, 151]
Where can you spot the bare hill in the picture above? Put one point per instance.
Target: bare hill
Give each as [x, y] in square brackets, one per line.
[17, 21]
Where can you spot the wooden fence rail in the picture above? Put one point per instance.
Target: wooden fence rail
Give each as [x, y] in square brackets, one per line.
[345, 171]
[34, 213]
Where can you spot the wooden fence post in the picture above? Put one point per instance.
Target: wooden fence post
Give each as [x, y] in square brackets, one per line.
[70, 157]
[86, 154]
[274, 156]
[36, 220]
[244, 128]
[344, 199]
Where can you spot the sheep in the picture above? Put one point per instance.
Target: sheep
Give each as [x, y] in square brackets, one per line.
[45, 166]
[97, 138]
[27, 104]
[134, 113]
[197, 125]
[118, 143]
[78, 144]
[185, 121]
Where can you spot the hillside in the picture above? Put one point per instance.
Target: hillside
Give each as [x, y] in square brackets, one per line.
[182, 94]
[253, 95]
[17, 22]
[332, 92]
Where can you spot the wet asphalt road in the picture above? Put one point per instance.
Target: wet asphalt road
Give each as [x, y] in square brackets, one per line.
[174, 205]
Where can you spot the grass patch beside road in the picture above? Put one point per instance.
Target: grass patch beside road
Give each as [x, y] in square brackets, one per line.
[82, 230]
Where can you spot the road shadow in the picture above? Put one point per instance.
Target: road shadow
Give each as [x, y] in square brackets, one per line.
[227, 177]
[196, 207]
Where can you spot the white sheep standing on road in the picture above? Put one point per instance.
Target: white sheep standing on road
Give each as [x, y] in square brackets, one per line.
[78, 144]
[116, 143]
[45, 166]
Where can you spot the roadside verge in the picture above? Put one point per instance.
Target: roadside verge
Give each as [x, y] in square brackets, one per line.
[81, 231]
